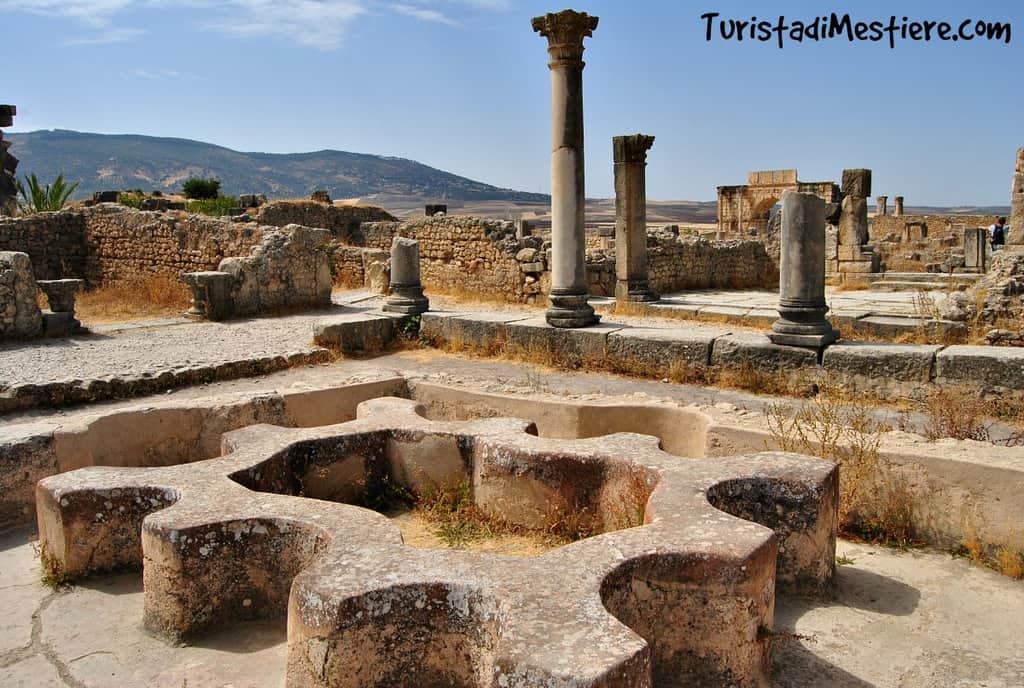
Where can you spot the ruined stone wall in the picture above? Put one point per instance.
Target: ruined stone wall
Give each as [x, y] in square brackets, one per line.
[55, 242]
[676, 264]
[123, 244]
[343, 221]
[922, 243]
[466, 254]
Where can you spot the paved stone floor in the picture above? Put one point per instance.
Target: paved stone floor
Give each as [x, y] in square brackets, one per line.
[907, 619]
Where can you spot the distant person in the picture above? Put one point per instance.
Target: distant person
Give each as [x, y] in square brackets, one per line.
[997, 234]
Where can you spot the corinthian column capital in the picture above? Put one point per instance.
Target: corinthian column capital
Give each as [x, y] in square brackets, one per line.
[632, 148]
[565, 32]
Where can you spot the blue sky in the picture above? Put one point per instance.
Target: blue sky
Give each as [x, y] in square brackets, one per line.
[463, 85]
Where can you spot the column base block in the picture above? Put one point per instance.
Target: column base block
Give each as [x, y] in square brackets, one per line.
[407, 301]
[806, 341]
[570, 310]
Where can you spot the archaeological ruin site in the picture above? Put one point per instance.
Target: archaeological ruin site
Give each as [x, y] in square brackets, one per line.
[340, 446]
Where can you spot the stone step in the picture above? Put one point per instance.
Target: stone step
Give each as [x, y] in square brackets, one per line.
[900, 285]
[959, 278]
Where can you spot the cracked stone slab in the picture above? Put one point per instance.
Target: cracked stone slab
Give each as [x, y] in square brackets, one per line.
[985, 365]
[231, 539]
[658, 347]
[755, 349]
[576, 345]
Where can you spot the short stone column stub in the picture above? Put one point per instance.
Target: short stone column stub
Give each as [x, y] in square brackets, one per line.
[570, 292]
[882, 206]
[802, 304]
[897, 210]
[406, 289]
[631, 277]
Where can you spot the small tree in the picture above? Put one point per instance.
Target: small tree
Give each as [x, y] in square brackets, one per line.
[197, 187]
[40, 199]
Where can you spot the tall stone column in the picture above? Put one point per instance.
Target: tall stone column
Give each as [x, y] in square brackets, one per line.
[882, 206]
[1015, 235]
[802, 304]
[898, 208]
[565, 32]
[8, 164]
[630, 155]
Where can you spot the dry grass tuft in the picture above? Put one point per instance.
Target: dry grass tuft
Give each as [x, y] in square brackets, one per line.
[874, 504]
[135, 299]
[957, 413]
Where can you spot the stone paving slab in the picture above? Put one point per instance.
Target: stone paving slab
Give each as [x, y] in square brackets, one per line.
[655, 349]
[535, 334]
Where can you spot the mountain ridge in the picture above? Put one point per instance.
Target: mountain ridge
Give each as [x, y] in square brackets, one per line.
[129, 161]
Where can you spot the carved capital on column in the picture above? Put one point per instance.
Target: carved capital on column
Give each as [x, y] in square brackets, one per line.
[565, 32]
[631, 148]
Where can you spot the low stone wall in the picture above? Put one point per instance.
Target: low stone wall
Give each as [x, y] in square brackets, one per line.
[678, 264]
[922, 243]
[55, 242]
[342, 220]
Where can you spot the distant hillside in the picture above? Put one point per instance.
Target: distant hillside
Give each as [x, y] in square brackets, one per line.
[115, 162]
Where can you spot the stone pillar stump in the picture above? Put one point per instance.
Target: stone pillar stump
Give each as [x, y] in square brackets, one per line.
[1015, 233]
[802, 304]
[406, 289]
[898, 207]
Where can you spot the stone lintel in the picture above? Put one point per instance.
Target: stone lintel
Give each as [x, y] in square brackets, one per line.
[565, 32]
[631, 149]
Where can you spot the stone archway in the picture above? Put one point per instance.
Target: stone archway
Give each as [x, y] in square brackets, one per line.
[749, 206]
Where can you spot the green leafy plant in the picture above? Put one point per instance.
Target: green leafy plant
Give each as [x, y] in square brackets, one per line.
[200, 188]
[37, 198]
[131, 199]
[221, 205]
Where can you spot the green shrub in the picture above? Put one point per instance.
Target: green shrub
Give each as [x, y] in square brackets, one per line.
[40, 199]
[213, 206]
[130, 199]
[199, 188]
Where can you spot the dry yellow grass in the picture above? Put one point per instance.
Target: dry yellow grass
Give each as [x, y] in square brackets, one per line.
[136, 299]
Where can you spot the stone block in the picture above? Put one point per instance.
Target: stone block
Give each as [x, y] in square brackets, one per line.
[356, 332]
[902, 362]
[572, 346]
[985, 366]
[60, 324]
[856, 182]
[657, 349]
[860, 267]
[754, 349]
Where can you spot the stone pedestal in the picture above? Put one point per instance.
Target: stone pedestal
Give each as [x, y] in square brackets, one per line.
[60, 294]
[882, 206]
[569, 293]
[975, 248]
[802, 304]
[406, 289]
[1015, 232]
[211, 295]
[898, 207]
[630, 155]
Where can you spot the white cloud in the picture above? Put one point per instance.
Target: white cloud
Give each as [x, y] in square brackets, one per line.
[156, 74]
[109, 35]
[317, 23]
[424, 14]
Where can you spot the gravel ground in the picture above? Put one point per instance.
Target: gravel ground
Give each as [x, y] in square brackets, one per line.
[155, 349]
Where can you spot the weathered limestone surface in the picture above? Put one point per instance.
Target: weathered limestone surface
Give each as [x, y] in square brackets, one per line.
[356, 332]
[882, 206]
[999, 367]
[20, 317]
[289, 270]
[343, 220]
[657, 349]
[925, 243]
[229, 539]
[902, 362]
[802, 304]
[898, 207]
[737, 349]
[997, 294]
[1015, 233]
[536, 336]
[630, 155]
[569, 292]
